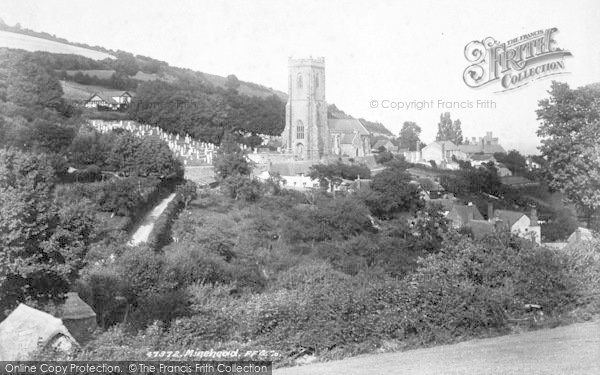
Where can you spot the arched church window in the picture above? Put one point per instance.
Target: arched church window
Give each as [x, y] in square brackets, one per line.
[299, 130]
[316, 80]
[299, 80]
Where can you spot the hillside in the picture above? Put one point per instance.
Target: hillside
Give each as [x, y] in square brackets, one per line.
[101, 75]
[31, 44]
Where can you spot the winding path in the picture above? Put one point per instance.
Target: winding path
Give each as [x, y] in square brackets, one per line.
[145, 227]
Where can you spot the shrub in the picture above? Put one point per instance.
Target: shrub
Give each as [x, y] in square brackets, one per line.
[242, 188]
[465, 289]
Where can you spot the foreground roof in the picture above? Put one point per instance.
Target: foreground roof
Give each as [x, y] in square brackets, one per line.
[292, 168]
[25, 327]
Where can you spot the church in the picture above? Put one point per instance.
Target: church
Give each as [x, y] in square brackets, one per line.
[309, 134]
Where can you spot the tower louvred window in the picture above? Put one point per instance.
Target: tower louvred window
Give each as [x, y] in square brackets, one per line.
[299, 130]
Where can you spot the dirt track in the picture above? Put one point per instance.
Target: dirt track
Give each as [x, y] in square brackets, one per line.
[573, 349]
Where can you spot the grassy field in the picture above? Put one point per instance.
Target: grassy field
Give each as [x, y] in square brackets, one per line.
[103, 74]
[29, 43]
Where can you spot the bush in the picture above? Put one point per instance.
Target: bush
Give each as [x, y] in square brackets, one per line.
[242, 188]
[465, 289]
[329, 219]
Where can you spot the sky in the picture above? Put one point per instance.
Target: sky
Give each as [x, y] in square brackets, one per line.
[376, 52]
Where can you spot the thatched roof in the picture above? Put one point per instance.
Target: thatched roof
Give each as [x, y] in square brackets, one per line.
[75, 308]
[27, 329]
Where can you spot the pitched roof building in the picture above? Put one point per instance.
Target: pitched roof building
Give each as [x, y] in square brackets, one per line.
[109, 99]
[27, 329]
[460, 215]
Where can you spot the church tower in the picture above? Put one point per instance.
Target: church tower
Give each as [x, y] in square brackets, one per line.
[306, 133]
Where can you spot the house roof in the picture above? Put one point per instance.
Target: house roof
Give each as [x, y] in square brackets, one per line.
[21, 331]
[75, 308]
[448, 145]
[108, 96]
[292, 168]
[463, 212]
[346, 126]
[580, 234]
[486, 149]
[481, 157]
[509, 217]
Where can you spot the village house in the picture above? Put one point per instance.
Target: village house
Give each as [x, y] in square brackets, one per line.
[517, 223]
[442, 152]
[503, 171]
[460, 215]
[531, 164]
[113, 100]
[481, 159]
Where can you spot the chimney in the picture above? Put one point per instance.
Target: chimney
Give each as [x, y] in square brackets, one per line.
[443, 150]
[499, 226]
[490, 211]
[533, 218]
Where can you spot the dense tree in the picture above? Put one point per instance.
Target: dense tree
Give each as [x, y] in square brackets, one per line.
[50, 137]
[40, 251]
[126, 63]
[393, 192]
[231, 161]
[570, 130]
[384, 157]
[145, 157]
[409, 135]
[448, 130]
[331, 175]
[513, 161]
[207, 113]
[27, 83]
